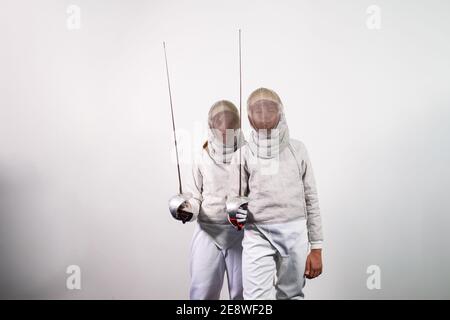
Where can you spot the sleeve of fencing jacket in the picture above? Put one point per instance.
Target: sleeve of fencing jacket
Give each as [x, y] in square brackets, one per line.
[234, 175]
[314, 220]
[195, 186]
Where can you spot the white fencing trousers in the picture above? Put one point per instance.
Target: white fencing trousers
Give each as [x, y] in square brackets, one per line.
[273, 261]
[208, 266]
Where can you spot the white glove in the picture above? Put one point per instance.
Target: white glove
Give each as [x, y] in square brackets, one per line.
[241, 215]
[237, 211]
[240, 220]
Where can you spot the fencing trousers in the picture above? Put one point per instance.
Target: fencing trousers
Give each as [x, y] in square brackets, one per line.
[273, 261]
[208, 264]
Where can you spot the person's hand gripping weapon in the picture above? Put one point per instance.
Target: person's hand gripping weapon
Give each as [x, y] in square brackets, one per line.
[180, 208]
[237, 211]
[179, 205]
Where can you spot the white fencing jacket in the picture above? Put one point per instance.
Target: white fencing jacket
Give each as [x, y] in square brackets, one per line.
[280, 189]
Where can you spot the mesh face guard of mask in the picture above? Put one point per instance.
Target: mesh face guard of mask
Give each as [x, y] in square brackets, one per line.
[264, 109]
[223, 120]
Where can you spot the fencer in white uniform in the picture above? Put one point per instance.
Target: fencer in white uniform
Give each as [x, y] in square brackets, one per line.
[216, 246]
[283, 230]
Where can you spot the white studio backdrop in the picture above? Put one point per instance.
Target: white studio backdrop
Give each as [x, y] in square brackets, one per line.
[86, 147]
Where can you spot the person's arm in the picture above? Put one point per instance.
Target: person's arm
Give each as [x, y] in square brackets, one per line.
[195, 187]
[234, 176]
[314, 220]
[237, 200]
